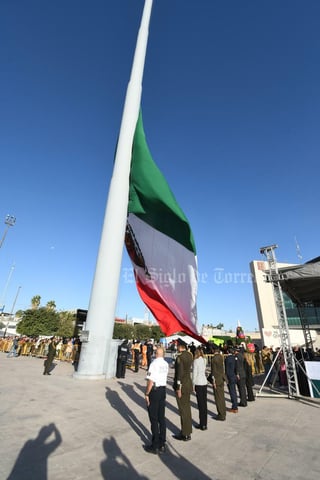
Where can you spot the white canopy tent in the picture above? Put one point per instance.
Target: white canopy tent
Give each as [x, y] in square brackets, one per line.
[186, 338]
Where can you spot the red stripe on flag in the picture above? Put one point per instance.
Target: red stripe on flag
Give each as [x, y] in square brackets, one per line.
[168, 322]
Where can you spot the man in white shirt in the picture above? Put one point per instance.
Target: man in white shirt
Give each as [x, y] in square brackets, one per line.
[155, 399]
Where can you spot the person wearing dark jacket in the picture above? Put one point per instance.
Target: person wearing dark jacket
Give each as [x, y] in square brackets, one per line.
[231, 374]
[122, 359]
[241, 377]
[149, 353]
[51, 355]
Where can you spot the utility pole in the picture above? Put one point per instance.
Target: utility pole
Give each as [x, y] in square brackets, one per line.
[3, 294]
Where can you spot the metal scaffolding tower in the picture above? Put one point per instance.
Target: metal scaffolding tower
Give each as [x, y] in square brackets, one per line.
[273, 277]
[305, 325]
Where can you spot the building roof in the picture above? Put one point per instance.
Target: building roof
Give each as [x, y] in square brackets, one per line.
[302, 282]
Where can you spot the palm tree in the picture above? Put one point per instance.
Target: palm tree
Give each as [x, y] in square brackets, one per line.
[35, 302]
[51, 305]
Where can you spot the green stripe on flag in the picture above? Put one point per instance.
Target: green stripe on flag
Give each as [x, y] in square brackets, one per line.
[150, 197]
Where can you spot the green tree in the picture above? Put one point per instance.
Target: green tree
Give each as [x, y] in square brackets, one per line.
[39, 321]
[156, 333]
[67, 321]
[125, 330]
[142, 331]
[35, 302]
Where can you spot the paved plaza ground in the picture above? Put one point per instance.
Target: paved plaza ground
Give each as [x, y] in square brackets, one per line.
[58, 427]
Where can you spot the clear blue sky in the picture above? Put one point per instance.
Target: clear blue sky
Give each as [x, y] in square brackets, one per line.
[231, 112]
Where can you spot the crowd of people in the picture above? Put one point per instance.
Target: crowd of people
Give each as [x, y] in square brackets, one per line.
[275, 367]
[66, 349]
[198, 367]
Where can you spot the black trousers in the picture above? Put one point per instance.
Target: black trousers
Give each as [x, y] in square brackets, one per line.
[242, 391]
[156, 410]
[136, 360]
[201, 392]
[47, 365]
[249, 389]
[121, 368]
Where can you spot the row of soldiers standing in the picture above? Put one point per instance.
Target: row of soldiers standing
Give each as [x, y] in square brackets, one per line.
[232, 366]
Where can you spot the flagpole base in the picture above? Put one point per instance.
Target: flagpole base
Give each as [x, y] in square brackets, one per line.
[81, 376]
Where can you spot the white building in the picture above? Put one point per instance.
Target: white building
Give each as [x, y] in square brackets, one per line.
[267, 311]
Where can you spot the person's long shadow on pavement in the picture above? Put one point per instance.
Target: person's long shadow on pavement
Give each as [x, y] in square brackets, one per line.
[139, 400]
[119, 405]
[33, 457]
[130, 391]
[117, 466]
[172, 459]
[181, 467]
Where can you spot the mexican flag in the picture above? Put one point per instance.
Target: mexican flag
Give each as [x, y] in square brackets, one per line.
[160, 244]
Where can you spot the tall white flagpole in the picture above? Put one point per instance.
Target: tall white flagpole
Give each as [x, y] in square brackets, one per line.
[95, 353]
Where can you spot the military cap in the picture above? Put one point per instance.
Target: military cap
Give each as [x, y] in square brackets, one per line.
[181, 342]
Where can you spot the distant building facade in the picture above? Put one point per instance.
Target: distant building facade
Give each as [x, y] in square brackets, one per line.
[267, 311]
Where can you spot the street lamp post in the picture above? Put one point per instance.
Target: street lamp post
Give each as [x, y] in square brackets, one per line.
[11, 313]
[3, 294]
[10, 220]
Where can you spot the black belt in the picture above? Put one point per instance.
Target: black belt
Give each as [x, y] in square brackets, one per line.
[157, 388]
